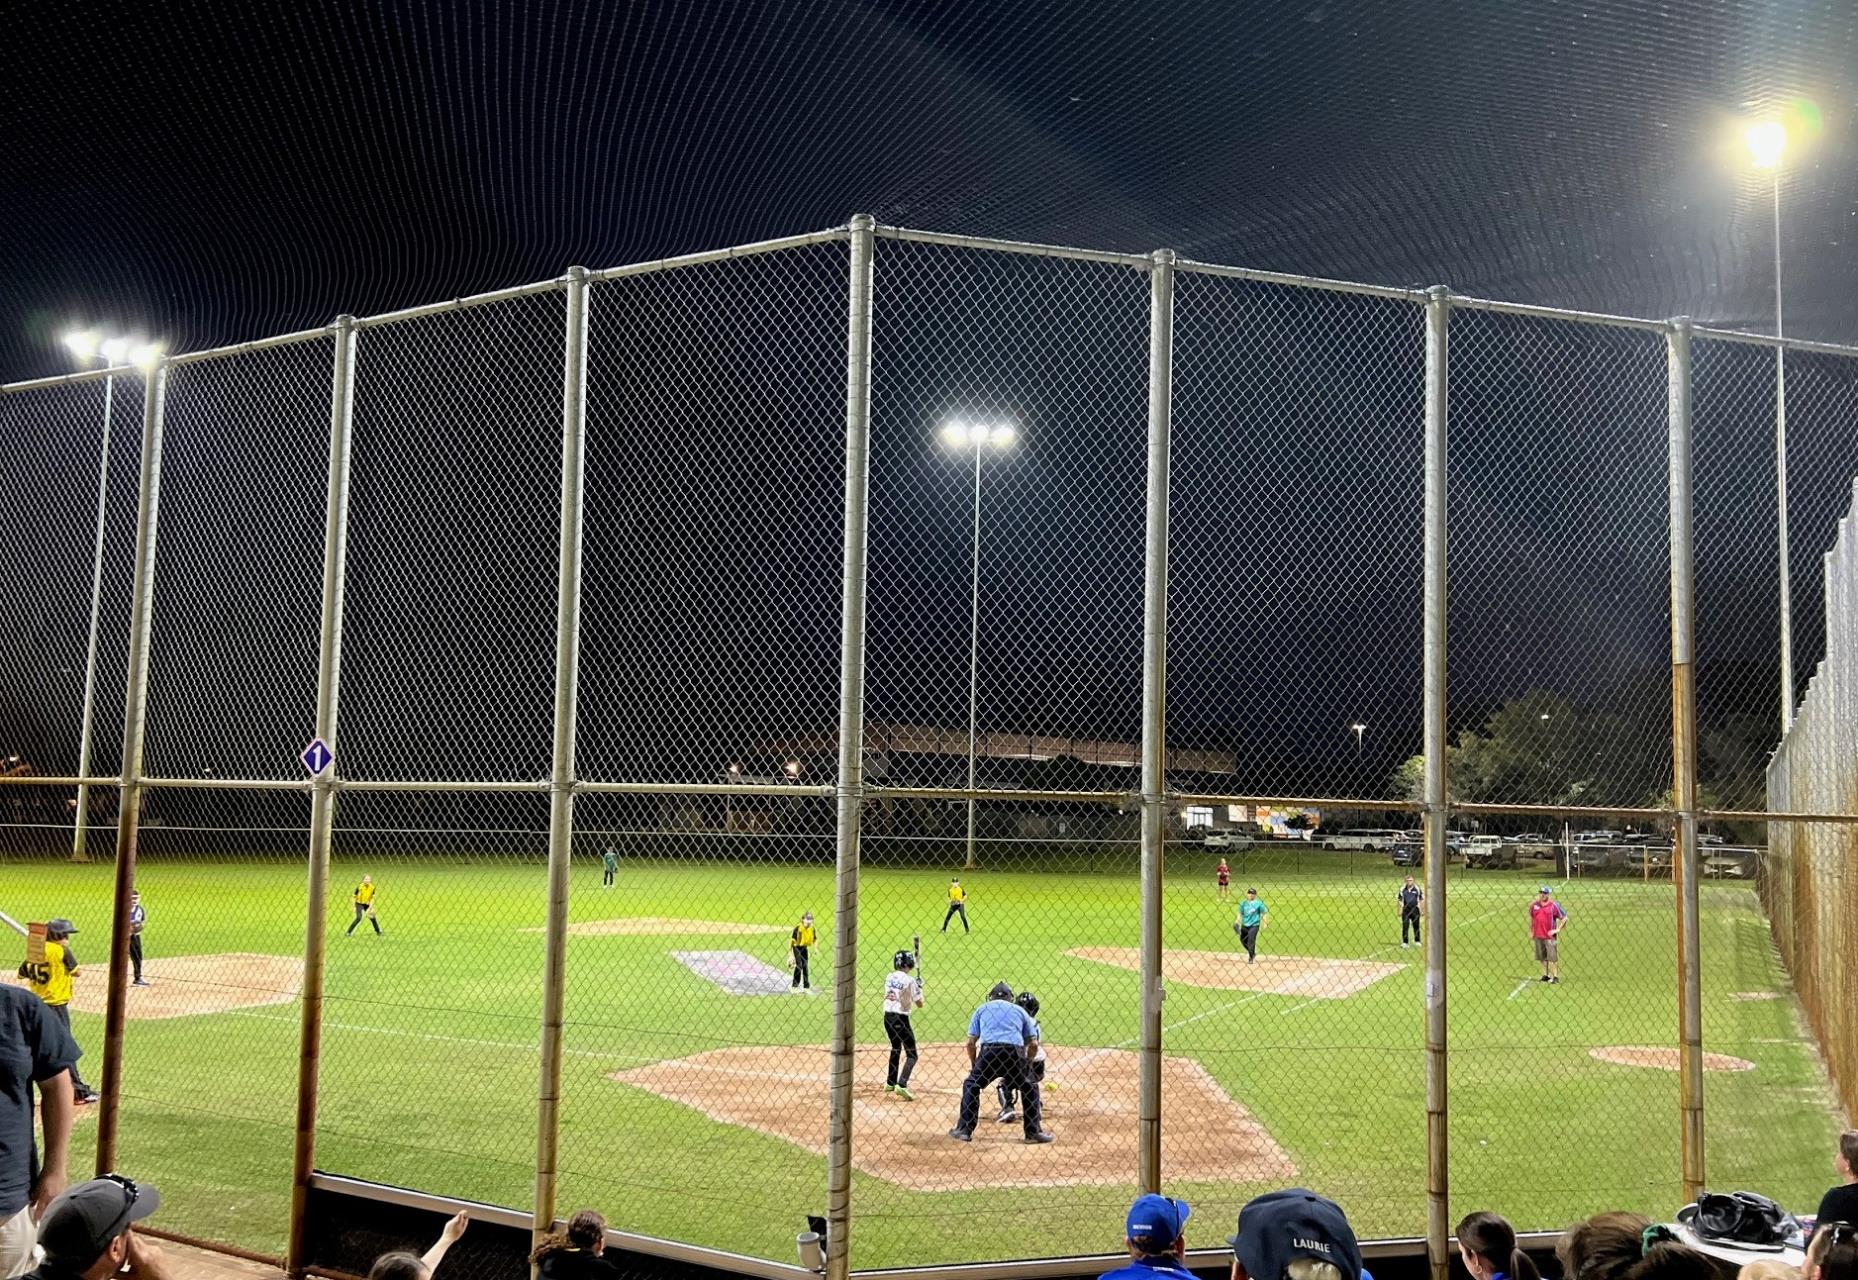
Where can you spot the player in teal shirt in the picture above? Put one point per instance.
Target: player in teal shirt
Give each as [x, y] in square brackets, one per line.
[1253, 916]
[609, 867]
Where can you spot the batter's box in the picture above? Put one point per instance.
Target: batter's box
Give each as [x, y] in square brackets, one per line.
[1090, 1104]
[1310, 977]
[181, 986]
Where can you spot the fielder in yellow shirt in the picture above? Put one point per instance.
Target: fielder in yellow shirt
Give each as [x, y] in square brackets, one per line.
[957, 906]
[363, 899]
[50, 980]
[803, 938]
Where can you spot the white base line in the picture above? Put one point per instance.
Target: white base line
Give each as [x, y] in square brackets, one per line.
[1521, 987]
[438, 1039]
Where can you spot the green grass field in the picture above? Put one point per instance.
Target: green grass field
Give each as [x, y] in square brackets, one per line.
[429, 1071]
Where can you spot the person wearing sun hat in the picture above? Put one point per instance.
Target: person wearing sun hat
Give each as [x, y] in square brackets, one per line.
[1295, 1235]
[1155, 1234]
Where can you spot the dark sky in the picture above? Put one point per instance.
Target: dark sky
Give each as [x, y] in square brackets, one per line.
[207, 174]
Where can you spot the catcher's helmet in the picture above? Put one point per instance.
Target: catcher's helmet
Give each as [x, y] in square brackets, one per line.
[904, 960]
[1000, 992]
[1029, 1002]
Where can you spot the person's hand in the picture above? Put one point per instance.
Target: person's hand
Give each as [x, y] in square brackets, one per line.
[145, 1258]
[50, 1186]
[455, 1227]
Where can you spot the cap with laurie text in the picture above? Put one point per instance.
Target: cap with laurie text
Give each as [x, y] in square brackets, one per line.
[1276, 1229]
[1156, 1222]
[79, 1225]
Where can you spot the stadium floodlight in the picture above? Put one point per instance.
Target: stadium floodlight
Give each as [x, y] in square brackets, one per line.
[791, 768]
[976, 437]
[82, 343]
[144, 355]
[1359, 729]
[1767, 143]
[113, 350]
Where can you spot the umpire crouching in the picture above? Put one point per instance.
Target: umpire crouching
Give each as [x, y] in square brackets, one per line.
[1002, 1039]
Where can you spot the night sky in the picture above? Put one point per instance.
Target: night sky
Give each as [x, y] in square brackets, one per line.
[206, 174]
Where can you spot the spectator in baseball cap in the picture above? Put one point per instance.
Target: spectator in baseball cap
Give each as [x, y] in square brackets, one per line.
[87, 1233]
[1156, 1236]
[1295, 1235]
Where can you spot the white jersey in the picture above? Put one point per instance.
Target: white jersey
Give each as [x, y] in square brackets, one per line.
[901, 992]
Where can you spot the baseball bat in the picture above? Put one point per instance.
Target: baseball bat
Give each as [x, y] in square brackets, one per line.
[15, 925]
[916, 950]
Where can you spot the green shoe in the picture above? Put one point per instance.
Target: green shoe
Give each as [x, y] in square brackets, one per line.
[905, 1094]
[890, 1088]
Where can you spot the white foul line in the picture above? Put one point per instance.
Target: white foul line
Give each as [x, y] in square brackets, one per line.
[1521, 987]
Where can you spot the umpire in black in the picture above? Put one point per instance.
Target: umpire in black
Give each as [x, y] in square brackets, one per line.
[1002, 1038]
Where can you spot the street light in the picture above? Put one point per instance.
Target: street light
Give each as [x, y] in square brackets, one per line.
[1767, 147]
[1359, 730]
[88, 345]
[977, 438]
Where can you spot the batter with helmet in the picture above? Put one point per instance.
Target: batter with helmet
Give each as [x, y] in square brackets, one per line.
[903, 994]
[1035, 1070]
[1002, 1042]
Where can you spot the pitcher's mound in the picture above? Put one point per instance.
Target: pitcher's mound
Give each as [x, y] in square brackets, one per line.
[783, 1092]
[1312, 977]
[181, 986]
[655, 925]
[1664, 1059]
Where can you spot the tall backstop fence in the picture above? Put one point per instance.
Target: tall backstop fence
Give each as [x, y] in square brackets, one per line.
[888, 614]
[1812, 880]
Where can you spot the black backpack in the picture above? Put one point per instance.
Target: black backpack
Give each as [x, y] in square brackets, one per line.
[1742, 1218]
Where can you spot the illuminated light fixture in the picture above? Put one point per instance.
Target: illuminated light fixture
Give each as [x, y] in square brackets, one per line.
[1767, 143]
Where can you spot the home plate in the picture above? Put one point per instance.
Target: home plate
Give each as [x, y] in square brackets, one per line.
[736, 972]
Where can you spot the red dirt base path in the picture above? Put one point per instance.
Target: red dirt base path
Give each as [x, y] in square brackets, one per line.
[181, 986]
[783, 1092]
[1664, 1059]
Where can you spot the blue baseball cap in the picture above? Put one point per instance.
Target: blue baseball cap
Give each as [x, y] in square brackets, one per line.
[1156, 1222]
[1277, 1228]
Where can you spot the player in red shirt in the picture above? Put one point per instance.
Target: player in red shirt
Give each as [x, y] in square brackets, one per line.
[1224, 877]
[1546, 921]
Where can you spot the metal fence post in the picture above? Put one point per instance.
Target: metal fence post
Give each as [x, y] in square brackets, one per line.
[561, 781]
[1684, 762]
[851, 749]
[135, 713]
[1154, 711]
[80, 833]
[1438, 1165]
[323, 792]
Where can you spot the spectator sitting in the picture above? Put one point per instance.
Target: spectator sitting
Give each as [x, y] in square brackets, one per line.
[1295, 1235]
[1487, 1243]
[575, 1254]
[1841, 1203]
[404, 1266]
[1628, 1246]
[1157, 1241]
[88, 1234]
[1833, 1255]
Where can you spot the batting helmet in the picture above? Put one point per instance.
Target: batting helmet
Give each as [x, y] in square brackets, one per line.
[59, 928]
[903, 960]
[1000, 992]
[1029, 1002]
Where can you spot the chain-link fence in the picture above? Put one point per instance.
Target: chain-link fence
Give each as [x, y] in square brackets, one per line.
[696, 685]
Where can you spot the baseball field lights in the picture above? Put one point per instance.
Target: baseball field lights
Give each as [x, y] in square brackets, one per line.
[90, 344]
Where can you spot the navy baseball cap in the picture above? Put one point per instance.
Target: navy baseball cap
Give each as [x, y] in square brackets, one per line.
[1156, 1222]
[1278, 1228]
[79, 1225]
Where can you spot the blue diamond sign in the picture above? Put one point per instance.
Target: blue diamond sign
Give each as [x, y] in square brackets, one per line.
[317, 757]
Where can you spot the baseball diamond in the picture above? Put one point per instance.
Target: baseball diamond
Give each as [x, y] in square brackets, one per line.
[1305, 1066]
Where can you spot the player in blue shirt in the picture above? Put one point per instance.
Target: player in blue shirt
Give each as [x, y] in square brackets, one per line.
[1002, 1040]
[1253, 916]
[1157, 1240]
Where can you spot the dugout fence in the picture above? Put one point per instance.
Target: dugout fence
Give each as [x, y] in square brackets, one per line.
[817, 573]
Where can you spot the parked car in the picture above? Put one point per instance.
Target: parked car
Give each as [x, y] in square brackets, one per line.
[1533, 844]
[1362, 838]
[1408, 852]
[1647, 856]
[1730, 863]
[1235, 840]
[1596, 855]
[1489, 851]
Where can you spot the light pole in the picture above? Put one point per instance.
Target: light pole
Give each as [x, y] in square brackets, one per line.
[975, 438]
[1359, 730]
[1767, 144]
[86, 346]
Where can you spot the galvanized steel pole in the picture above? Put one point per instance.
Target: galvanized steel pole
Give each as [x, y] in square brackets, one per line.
[851, 750]
[974, 648]
[135, 718]
[1684, 762]
[323, 793]
[80, 833]
[1438, 1181]
[561, 777]
[1154, 711]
